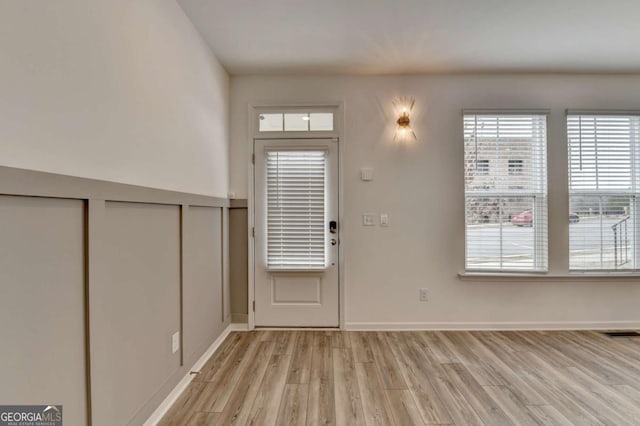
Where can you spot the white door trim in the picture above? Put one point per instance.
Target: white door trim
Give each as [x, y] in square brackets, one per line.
[253, 110]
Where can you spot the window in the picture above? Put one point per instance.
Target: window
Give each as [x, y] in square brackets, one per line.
[321, 121]
[505, 205]
[271, 122]
[604, 161]
[296, 209]
[296, 122]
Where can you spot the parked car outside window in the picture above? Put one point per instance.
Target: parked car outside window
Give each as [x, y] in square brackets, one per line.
[525, 218]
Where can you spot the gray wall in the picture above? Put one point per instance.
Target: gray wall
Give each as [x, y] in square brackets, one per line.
[238, 251]
[42, 360]
[139, 307]
[131, 264]
[203, 280]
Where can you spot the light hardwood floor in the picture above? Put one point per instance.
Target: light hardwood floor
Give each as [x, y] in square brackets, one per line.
[406, 378]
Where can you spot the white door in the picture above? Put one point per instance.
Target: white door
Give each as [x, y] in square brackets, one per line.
[296, 233]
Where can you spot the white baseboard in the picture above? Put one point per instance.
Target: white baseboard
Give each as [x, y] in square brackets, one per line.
[162, 409]
[297, 328]
[238, 326]
[472, 326]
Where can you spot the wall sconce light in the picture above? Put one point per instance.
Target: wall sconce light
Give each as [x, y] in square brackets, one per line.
[403, 107]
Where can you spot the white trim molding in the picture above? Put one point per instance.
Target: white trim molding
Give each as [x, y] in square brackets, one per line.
[538, 277]
[173, 396]
[254, 108]
[238, 326]
[493, 326]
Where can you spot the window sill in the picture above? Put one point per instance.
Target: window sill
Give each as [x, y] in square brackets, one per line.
[296, 270]
[537, 277]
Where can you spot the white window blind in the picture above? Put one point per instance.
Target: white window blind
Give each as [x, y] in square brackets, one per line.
[505, 174]
[296, 192]
[604, 163]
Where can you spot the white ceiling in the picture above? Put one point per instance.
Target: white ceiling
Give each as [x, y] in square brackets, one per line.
[420, 36]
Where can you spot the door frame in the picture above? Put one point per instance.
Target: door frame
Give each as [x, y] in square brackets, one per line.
[253, 134]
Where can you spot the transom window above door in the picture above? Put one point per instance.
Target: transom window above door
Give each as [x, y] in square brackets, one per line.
[299, 121]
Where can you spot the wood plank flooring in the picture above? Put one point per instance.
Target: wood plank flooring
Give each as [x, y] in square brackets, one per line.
[415, 378]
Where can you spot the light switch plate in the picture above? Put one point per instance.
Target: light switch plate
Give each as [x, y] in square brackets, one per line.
[175, 342]
[366, 174]
[384, 219]
[424, 294]
[369, 219]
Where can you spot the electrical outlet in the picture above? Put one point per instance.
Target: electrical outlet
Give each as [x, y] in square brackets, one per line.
[424, 294]
[366, 174]
[175, 342]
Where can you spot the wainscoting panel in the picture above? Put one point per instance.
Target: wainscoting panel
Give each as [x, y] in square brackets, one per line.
[226, 291]
[238, 251]
[140, 307]
[96, 277]
[202, 287]
[42, 305]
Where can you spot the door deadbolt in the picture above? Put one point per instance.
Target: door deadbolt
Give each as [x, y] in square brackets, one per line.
[333, 227]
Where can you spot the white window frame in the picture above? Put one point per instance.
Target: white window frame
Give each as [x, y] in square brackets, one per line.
[540, 232]
[284, 134]
[633, 194]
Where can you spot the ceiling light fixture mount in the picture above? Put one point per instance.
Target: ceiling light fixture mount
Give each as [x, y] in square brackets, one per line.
[403, 106]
